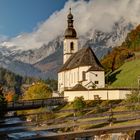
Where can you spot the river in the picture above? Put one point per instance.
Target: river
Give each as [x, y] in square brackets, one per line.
[16, 129]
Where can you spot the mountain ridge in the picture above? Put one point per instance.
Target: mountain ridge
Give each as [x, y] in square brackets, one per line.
[100, 42]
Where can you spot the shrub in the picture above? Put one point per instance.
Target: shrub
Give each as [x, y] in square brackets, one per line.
[79, 103]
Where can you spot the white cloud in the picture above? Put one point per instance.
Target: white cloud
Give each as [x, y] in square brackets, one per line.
[3, 38]
[92, 14]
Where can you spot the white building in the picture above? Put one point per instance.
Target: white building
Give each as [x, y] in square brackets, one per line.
[79, 66]
[81, 73]
[98, 94]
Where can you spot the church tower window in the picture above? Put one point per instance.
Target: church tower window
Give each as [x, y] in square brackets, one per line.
[71, 46]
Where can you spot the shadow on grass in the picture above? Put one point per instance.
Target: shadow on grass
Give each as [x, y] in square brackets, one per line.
[137, 135]
[98, 125]
[112, 76]
[59, 107]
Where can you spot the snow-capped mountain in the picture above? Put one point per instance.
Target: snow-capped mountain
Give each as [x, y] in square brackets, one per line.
[101, 42]
[30, 56]
[44, 61]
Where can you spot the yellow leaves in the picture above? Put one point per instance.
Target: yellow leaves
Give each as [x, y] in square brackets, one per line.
[38, 90]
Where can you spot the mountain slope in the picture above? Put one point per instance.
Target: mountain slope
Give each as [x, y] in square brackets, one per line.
[50, 65]
[120, 54]
[37, 62]
[127, 75]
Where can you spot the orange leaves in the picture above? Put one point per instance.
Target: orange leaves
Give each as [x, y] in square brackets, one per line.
[116, 58]
[9, 96]
[120, 54]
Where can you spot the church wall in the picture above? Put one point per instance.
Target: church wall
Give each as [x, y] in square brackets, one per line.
[81, 70]
[61, 82]
[73, 77]
[102, 94]
[67, 48]
[67, 45]
[66, 57]
[96, 76]
[124, 93]
[68, 79]
[72, 94]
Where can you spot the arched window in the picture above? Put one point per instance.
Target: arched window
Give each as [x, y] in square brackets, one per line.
[71, 46]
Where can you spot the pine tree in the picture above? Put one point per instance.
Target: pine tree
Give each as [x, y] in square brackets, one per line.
[3, 103]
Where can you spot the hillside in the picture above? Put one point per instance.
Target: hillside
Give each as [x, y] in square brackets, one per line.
[114, 59]
[123, 62]
[127, 75]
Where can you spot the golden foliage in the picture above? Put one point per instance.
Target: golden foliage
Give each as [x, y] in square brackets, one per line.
[38, 90]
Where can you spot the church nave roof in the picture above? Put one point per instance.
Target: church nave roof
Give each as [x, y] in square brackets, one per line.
[84, 57]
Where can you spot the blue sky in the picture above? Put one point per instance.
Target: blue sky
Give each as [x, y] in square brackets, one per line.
[18, 16]
[27, 25]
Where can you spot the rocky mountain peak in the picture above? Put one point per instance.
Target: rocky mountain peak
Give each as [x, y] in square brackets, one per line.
[50, 55]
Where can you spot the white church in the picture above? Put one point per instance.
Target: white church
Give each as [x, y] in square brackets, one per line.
[82, 73]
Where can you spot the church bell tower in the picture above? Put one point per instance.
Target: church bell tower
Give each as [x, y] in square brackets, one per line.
[70, 39]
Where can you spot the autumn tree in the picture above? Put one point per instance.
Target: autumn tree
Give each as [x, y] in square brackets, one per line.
[38, 90]
[9, 96]
[116, 58]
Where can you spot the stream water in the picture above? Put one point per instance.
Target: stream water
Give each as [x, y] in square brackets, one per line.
[16, 130]
[14, 125]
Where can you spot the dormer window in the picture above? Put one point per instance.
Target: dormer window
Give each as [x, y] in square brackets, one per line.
[71, 46]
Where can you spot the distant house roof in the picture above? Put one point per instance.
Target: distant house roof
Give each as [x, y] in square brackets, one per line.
[84, 57]
[78, 87]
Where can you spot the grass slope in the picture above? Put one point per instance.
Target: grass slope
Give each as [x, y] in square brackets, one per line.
[126, 75]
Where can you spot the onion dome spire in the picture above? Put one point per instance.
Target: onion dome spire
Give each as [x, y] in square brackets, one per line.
[70, 31]
[70, 19]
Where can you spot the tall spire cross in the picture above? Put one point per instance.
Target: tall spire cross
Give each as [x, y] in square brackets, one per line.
[70, 10]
